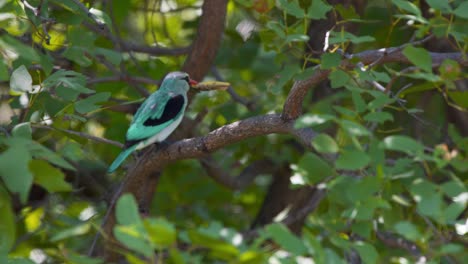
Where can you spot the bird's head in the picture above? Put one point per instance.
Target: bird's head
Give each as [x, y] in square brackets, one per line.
[178, 80]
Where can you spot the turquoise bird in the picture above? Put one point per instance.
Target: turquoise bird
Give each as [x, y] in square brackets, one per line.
[158, 116]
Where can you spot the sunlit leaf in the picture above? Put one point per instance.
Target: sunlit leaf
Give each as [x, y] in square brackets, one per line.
[419, 57]
[282, 236]
[21, 80]
[50, 178]
[126, 211]
[325, 144]
[90, 104]
[7, 223]
[403, 144]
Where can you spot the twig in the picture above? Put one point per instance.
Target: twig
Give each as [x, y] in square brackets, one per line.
[89, 14]
[247, 175]
[121, 78]
[400, 48]
[83, 135]
[235, 96]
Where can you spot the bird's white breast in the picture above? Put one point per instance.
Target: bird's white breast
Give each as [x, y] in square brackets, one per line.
[162, 135]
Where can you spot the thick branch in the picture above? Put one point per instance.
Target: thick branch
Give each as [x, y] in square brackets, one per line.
[205, 46]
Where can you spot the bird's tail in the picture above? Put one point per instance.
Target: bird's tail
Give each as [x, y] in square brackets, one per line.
[122, 156]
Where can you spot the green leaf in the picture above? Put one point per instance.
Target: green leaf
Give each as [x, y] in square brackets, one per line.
[73, 231]
[7, 223]
[287, 240]
[100, 16]
[344, 37]
[132, 236]
[21, 80]
[352, 160]
[363, 189]
[354, 128]
[330, 60]
[161, 232]
[367, 252]
[311, 169]
[40, 152]
[22, 130]
[79, 55]
[52, 179]
[310, 120]
[81, 259]
[318, 10]
[359, 103]
[419, 57]
[296, 38]
[459, 97]
[449, 70]
[292, 8]
[453, 188]
[14, 169]
[442, 5]
[408, 230]
[69, 79]
[338, 78]
[332, 257]
[462, 10]
[451, 248]
[4, 74]
[89, 104]
[323, 143]
[110, 55]
[126, 211]
[285, 76]
[18, 49]
[219, 248]
[408, 6]
[380, 101]
[431, 205]
[378, 117]
[403, 144]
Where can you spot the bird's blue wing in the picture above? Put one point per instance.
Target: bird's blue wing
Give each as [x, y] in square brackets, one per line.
[154, 115]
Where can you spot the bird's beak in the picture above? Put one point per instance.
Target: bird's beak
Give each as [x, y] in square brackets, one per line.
[211, 85]
[192, 82]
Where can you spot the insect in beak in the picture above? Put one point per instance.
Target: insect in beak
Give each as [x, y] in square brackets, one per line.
[192, 82]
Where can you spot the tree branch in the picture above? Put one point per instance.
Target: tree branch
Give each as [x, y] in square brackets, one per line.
[293, 105]
[83, 135]
[205, 46]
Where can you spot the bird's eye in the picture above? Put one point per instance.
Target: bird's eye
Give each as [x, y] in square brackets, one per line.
[186, 78]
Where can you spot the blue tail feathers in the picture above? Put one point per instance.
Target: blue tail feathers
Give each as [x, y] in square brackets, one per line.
[122, 156]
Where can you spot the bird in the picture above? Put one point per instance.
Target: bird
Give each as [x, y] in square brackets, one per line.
[158, 116]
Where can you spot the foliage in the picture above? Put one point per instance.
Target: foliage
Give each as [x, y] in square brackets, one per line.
[390, 146]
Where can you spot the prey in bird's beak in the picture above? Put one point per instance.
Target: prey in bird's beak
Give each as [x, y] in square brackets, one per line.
[192, 82]
[211, 85]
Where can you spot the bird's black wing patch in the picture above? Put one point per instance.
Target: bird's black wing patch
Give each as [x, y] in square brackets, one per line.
[172, 108]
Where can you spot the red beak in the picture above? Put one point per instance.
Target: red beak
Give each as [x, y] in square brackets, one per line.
[192, 82]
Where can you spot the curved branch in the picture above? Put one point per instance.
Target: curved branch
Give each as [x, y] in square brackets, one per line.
[293, 104]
